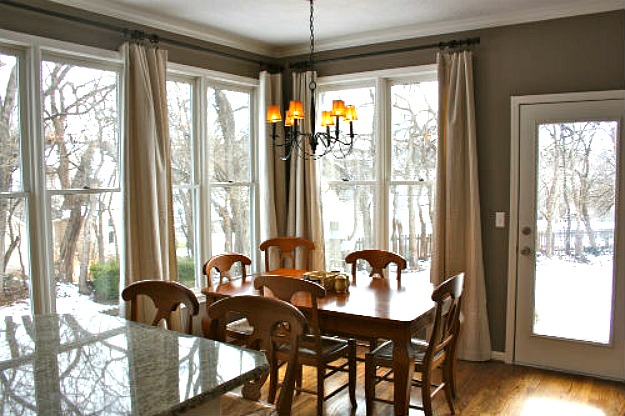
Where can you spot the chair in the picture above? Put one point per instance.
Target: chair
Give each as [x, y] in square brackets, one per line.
[268, 317]
[378, 260]
[167, 296]
[223, 264]
[436, 353]
[286, 248]
[238, 329]
[315, 350]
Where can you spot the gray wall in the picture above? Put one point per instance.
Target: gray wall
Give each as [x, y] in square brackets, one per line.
[584, 53]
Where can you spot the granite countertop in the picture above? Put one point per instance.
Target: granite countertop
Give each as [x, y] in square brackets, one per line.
[102, 365]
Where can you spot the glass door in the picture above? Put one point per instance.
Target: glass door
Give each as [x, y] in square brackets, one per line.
[569, 252]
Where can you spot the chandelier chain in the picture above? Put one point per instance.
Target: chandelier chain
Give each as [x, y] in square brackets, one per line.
[312, 35]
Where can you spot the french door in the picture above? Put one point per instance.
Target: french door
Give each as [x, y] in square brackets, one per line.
[568, 219]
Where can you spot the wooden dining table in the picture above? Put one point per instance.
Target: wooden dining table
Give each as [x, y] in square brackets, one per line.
[372, 306]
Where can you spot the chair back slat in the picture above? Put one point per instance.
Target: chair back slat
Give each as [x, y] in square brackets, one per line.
[223, 264]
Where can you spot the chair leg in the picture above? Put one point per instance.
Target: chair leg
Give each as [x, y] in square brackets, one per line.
[273, 380]
[321, 372]
[369, 384]
[448, 379]
[426, 395]
[352, 372]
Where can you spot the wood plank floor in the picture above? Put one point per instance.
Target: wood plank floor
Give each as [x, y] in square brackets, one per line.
[493, 389]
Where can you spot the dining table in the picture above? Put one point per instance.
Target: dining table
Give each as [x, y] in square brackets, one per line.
[371, 306]
[96, 364]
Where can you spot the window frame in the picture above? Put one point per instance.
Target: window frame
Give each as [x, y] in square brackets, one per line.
[382, 81]
[202, 80]
[34, 50]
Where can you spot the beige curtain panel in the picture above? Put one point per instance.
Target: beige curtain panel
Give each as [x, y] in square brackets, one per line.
[273, 207]
[457, 227]
[304, 209]
[149, 223]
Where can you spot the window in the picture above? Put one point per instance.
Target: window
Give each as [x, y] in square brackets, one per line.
[59, 178]
[230, 169]
[81, 139]
[184, 181]
[14, 252]
[382, 194]
[213, 169]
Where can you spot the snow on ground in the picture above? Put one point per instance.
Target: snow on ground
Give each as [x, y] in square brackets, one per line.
[574, 300]
[68, 300]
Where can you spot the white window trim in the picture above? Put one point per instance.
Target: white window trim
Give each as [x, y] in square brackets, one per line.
[382, 80]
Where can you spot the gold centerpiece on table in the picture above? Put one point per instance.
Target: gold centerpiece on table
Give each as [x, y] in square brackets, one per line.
[331, 281]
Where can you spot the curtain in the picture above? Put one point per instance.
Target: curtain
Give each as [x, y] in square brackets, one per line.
[304, 208]
[273, 177]
[457, 228]
[149, 221]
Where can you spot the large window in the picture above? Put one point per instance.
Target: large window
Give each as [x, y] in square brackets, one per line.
[213, 174]
[382, 194]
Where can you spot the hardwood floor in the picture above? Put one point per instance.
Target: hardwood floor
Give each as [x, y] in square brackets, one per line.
[494, 389]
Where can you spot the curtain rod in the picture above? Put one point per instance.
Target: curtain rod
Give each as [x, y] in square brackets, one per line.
[440, 45]
[135, 34]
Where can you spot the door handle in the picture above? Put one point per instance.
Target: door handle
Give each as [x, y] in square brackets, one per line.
[526, 251]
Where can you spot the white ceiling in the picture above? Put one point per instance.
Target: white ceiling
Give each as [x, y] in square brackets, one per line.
[281, 27]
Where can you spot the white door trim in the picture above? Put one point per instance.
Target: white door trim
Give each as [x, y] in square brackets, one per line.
[516, 103]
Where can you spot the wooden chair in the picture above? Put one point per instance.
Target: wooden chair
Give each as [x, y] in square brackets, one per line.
[286, 248]
[223, 264]
[315, 350]
[238, 329]
[378, 260]
[437, 353]
[268, 317]
[167, 296]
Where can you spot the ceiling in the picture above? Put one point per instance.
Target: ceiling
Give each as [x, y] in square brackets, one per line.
[281, 27]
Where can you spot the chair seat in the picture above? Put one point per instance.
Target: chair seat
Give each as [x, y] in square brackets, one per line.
[329, 346]
[416, 350]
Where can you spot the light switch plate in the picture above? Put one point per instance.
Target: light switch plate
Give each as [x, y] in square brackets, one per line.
[500, 219]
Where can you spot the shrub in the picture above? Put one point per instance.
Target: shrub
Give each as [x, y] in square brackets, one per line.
[186, 271]
[105, 281]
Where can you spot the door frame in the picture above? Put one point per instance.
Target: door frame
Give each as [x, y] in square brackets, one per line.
[516, 103]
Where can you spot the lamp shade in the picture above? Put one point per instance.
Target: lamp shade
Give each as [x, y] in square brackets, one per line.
[273, 114]
[350, 113]
[327, 119]
[338, 108]
[296, 108]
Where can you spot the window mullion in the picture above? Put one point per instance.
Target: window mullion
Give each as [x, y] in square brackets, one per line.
[40, 235]
[384, 162]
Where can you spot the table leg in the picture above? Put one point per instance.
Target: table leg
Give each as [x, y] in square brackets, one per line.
[403, 369]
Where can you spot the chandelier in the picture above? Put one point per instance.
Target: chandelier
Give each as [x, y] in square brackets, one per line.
[312, 144]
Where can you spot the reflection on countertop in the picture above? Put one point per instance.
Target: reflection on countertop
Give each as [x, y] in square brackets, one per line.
[102, 365]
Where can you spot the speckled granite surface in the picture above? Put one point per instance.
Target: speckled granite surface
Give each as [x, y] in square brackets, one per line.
[102, 365]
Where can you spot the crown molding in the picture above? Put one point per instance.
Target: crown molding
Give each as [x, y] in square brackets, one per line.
[194, 30]
[576, 8]
[173, 25]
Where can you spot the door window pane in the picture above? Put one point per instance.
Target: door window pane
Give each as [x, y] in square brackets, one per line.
[576, 190]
